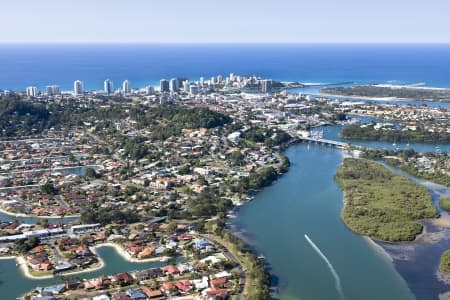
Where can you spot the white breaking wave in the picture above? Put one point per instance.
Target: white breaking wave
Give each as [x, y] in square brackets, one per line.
[330, 266]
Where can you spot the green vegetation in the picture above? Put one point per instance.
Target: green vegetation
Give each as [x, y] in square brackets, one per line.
[257, 278]
[444, 265]
[262, 177]
[444, 203]
[391, 92]
[108, 216]
[285, 163]
[21, 118]
[25, 245]
[368, 133]
[381, 204]
[208, 204]
[269, 137]
[18, 117]
[48, 189]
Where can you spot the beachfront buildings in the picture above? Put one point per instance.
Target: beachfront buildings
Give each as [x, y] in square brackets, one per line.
[31, 91]
[266, 86]
[53, 90]
[163, 85]
[108, 87]
[126, 87]
[173, 85]
[78, 88]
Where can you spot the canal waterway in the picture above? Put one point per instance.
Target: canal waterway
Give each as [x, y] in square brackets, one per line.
[13, 283]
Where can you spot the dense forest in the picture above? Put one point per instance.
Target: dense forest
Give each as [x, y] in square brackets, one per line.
[22, 118]
[381, 204]
[356, 132]
[390, 92]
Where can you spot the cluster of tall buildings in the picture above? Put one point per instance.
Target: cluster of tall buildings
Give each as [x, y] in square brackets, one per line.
[173, 85]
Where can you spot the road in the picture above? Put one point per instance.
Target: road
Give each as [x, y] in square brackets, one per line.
[229, 255]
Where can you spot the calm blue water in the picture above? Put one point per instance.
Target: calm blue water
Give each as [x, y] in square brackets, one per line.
[40, 65]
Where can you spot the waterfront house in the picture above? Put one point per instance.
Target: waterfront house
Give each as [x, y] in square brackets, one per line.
[148, 274]
[123, 278]
[172, 270]
[54, 290]
[147, 252]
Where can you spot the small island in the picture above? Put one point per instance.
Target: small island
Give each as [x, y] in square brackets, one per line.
[381, 204]
[383, 91]
[444, 265]
[444, 203]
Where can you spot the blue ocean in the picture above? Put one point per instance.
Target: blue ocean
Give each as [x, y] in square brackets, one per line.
[41, 65]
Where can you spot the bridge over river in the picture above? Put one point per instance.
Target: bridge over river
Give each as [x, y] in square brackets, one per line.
[322, 141]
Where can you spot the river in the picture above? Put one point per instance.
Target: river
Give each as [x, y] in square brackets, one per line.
[307, 200]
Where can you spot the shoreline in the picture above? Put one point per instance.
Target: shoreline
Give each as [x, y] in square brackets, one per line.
[21, 261]
[125, 255]
[26, 272]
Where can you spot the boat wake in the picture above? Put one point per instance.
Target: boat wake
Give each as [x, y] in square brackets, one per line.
[330, 266]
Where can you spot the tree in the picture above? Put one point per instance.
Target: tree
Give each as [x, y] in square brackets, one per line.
[48, 189]
[90, 173]
[43, 223]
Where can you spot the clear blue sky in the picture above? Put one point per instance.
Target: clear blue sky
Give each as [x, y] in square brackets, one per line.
[212, 21]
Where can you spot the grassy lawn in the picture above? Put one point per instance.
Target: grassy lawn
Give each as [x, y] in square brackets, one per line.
[41, 273]
[380, 203]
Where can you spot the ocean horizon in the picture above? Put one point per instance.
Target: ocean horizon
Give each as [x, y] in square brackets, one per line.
[40, 65]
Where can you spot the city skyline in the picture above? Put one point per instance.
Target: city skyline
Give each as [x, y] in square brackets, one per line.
[284, 21]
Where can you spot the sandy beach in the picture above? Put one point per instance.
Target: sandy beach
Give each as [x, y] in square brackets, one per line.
[378, 248]
[26, 272]
[125, 255]
[101, 263]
